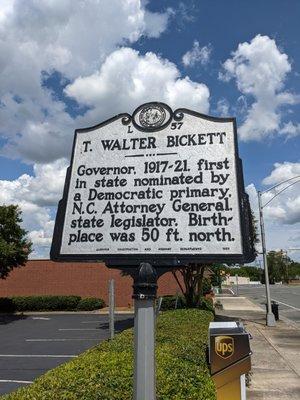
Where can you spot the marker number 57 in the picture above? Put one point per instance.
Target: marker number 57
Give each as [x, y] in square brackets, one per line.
[176, 125]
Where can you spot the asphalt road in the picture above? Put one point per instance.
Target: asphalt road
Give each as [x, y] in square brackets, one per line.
[288, 298]
[31, 345]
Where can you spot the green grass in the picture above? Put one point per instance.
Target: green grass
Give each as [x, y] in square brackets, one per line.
[105, 372]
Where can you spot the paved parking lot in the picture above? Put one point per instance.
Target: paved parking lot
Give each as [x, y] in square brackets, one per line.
[32, 344]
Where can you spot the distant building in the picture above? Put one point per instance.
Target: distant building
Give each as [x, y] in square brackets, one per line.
[45, 277]
[233, 280]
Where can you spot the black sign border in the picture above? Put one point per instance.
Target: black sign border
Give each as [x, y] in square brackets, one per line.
[162, 260]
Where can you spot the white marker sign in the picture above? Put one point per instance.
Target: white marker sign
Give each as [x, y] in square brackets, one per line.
[155, 184]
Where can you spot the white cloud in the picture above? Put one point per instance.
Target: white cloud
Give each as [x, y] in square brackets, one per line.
[36, 195]
[282, 214]
[286, 206]
[71, 37]
[260, 70]
[282, 172]
[197, 55]
[5, 9]
[127, 79]
[156, 23]
[290, 130]
[42, 239]
[43, 189]
[81, 41]
[39, 131]
[185, 14]
[222, 108]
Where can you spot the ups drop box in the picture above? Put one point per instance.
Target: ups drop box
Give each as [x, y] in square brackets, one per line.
[229, 358]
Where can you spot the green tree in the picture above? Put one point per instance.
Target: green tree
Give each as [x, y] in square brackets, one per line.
[253, 273]
[254, 236]
[219, 274]
[14, 245]
[278, 266]
[192, 275]
[293, 270]
[191, 284]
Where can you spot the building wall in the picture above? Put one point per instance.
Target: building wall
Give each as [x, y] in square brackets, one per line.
[242, 280]
[41, 277]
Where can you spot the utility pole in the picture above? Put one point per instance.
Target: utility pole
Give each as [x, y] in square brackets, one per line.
[270, 315]
[237, 284]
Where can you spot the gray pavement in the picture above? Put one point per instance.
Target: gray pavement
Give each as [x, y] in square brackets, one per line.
[275, 371]
[30, 345]
[287, 296]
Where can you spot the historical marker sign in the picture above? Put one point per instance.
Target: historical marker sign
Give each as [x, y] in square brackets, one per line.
[158, 186]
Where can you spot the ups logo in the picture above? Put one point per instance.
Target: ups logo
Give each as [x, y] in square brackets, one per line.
[224, 346]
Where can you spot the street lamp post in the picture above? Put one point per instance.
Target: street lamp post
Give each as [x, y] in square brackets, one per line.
[270, 321]
[270, 315]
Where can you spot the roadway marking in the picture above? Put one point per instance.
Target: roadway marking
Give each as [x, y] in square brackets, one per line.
[91, 322]
[289, 310]
[78, 329]
[42, 318]
[13, 381]
[287, 305]
[57, 340]
[280, 302]
[39, 355]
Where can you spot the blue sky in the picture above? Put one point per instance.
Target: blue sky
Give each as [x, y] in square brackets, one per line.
[67, 64]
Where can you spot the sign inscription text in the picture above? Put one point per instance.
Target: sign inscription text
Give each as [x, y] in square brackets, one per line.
[168, 191]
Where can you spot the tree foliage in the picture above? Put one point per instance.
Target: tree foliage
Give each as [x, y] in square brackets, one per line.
[14, 245]
[254, 273]
[254, 236]
[192, 287]
[294, 270]
[278, 266]
[219, 272]
[193, 274]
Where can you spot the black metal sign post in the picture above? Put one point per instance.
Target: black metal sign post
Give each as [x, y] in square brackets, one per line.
[149, 192]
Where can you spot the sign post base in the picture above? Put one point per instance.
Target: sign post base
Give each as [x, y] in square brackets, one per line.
[271, 319]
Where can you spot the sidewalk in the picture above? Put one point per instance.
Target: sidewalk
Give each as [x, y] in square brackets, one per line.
[276, 351]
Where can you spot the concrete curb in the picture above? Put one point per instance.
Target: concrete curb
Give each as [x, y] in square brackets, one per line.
[66, 313]
[237, 303]
[281, 317]
[289, 322]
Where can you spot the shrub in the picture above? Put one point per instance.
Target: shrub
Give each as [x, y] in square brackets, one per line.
[45, 303]
[49, 303]
[106, 371]
[206, 286]
[168, 303]
[7, 305]
[90, 303]
[206, 304]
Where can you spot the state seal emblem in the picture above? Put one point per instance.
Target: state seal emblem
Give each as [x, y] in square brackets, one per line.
[152, 116]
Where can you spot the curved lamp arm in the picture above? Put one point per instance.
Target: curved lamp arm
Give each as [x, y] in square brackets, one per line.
[280, 183]
[291, 184]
